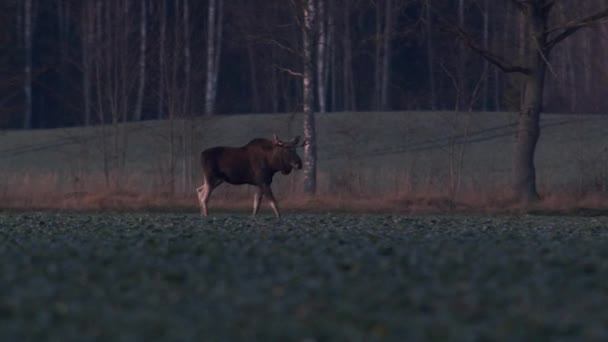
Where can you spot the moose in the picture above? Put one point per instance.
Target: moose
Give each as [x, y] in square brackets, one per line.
[254, 164]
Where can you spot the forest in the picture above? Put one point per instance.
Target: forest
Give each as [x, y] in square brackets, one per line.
[71, 62]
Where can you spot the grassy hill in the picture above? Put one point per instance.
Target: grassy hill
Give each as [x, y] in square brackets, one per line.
[362, 155]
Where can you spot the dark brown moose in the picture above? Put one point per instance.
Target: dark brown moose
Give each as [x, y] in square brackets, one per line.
[255, 164]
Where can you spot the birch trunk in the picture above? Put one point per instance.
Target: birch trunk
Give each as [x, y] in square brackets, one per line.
[310, 150]
[214, 36]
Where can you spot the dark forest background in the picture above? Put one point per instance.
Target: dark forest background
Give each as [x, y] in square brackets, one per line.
[75, 62]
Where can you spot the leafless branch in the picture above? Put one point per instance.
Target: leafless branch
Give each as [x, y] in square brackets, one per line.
[289, 71]
[488, 55]
[520, 4]
[571, 27]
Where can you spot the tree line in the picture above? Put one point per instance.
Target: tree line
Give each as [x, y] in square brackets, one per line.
[68, 62]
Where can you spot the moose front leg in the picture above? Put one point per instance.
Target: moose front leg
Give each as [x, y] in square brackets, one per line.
[273, 202]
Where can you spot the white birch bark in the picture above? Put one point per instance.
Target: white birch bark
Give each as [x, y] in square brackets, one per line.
[214, 37]
[310, 150]
[211, 16]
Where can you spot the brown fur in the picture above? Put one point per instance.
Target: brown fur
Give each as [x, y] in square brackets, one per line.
[254, 164]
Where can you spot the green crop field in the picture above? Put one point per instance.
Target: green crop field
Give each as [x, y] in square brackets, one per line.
[308, 277]
[360, 154]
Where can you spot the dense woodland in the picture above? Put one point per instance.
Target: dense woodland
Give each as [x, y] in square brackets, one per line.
[73, 62]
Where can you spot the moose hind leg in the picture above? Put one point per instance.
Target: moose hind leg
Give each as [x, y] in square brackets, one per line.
[203, 197]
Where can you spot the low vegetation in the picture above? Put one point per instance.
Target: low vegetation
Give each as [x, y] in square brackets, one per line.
[315, 277]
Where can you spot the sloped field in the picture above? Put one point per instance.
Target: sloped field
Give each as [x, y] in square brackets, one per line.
[120, 276]
[364, 154]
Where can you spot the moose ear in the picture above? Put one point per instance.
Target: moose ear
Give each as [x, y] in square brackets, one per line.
[295, 140]
[275, 140]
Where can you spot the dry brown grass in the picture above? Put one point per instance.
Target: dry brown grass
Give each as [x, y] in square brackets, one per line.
[50, 192]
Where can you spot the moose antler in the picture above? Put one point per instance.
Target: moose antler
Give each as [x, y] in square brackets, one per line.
[279, 142]
[295, 142]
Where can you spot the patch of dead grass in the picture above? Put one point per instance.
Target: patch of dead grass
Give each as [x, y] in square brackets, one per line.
[47, 193]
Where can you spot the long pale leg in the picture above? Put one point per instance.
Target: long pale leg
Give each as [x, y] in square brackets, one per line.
[203, 197]
[257, 198]
[273, 202]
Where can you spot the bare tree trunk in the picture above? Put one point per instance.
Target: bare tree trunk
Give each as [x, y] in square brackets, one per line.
[310, 150]
[211, 35]
[142, 60]
[386, 55]
[377, 59]
[275, 79]
[161, 59]
[331, 44]
[88, 18]
[461, 91]
[430, 55]
[486, 38]
[538, 44]
[63, 23]
[97, 58]
[122, 100]
[347, 65]
[186, 126]
[523, 42]
[187, 59]
[255, 94]
[214, 34]
[27, 86]
[218, 47]
[321, 51]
